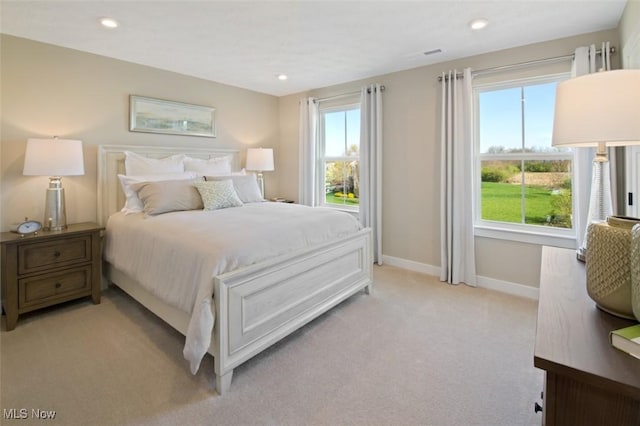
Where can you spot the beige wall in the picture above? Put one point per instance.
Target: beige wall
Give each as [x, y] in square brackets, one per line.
[630, 34]
[52, 91]
[411, 158]
[288, 158]
[630, 21]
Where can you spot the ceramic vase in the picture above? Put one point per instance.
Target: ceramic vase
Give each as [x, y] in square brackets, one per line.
[635, 271]
[608, 262]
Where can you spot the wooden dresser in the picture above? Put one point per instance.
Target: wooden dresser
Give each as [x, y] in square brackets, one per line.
[49, 268]
[588, 381]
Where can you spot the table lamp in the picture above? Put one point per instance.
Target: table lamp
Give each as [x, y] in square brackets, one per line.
[54, 158]
[260, 160]
[600, 110]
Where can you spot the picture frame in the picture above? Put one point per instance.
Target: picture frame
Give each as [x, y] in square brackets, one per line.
[151, 115]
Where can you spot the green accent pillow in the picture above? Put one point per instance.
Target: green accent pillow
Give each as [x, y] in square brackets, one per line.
[218, 194]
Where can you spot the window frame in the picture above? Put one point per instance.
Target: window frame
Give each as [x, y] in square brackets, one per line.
[322, 158]
[535, 234]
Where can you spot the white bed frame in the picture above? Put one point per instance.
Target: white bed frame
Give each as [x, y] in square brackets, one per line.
[258, 305]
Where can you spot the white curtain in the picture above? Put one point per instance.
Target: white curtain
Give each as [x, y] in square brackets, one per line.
[371, 165]
[457, 250]
[307, 188]
[587, 61]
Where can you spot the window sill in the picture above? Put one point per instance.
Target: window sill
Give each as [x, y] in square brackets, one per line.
[540, 238]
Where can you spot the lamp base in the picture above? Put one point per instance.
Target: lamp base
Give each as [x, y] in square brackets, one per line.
[260, 179]
[55, 215]
[600, 205]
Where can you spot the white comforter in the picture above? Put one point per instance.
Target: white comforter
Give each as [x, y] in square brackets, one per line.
[176, 255]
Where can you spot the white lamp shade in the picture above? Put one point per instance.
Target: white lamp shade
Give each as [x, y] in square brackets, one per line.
[603, 107]
[259, 159]
[53, 157]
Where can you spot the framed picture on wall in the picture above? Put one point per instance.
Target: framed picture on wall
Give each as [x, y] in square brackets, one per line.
[175, 118]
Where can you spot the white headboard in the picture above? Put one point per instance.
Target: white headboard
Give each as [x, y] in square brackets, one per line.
[111, 163]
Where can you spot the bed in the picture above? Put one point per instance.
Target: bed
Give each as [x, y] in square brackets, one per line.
[252, 306]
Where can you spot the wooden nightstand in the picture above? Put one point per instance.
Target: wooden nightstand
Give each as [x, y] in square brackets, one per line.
[587, 381]
[49, 268]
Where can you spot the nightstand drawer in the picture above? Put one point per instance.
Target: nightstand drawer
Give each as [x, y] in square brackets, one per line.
[43, 290]
[39, 256]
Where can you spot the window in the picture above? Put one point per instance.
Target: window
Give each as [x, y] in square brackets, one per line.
[523, 183]
[339, 156]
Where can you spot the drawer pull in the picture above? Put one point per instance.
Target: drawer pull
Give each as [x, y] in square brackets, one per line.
[58, 285]
[56, 254]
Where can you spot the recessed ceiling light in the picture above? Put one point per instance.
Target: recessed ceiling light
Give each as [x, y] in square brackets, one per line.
[478, 24]
[109, 22]
[282, 77]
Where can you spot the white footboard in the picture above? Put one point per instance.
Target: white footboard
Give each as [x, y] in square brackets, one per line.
[258, 306]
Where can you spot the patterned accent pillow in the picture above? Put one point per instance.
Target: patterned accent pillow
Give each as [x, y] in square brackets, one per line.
[218, 194]
[246, 187]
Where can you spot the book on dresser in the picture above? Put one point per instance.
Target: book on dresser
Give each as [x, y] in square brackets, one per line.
[627, 340]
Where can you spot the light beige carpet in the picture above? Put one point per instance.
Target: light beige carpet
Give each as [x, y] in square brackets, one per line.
[414, 352]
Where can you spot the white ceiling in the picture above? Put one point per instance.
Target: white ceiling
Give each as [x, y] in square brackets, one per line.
[316, 43]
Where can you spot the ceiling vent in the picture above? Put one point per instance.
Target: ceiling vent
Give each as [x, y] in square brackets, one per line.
[432, 52]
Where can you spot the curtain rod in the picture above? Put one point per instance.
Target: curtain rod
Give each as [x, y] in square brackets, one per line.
[526, 64]
[344, 95]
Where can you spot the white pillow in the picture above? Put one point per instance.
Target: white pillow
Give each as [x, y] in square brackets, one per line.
[132, 203]
[218, 194]
[168, 196]
[246, 186]
[138, 165]
[215, 166]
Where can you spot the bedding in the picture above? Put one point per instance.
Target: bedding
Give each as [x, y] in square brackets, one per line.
[218, 194]
[168, 196]
[133, 204]
[136, 164]
[213, 166]
[246, 186]
[176, 255]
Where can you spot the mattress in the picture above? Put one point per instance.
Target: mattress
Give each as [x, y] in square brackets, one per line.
[176, 255]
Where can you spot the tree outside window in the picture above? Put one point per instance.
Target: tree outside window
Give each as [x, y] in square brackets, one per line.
[340, 155]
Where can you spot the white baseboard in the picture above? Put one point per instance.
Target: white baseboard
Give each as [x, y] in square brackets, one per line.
[509, 287]
[410, 265]
[484, 282]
